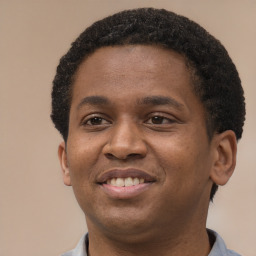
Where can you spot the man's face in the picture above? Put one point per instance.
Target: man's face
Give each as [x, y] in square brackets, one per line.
[137, 155]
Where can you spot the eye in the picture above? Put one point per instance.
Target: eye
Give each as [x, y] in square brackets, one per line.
[95, 120]
[157, 119]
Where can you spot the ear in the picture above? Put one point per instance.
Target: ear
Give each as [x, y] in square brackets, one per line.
[64, 163]
[225, 148]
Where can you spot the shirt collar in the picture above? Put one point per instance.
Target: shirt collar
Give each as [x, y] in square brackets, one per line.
[219, 248]
[81, 248]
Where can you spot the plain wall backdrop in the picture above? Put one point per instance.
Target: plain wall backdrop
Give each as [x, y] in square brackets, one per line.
[38, 214]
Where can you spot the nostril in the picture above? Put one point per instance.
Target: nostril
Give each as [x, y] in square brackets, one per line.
[122, 147]
[110, 156]
[135, 155]
[120, 156]
[123, 156]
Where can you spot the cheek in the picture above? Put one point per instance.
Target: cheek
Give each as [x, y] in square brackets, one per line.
[182, 158]
[82, 155]
[82, 159]
[186, 173]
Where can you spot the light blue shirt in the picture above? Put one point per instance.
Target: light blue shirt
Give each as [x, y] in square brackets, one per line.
[219, 248]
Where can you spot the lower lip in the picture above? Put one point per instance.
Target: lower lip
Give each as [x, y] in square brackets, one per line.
[125, 192]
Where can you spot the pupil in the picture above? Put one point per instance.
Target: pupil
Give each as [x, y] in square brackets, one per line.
[157, 120]
[96, 120]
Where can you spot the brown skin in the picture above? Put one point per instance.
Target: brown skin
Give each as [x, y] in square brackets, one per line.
[169, 217]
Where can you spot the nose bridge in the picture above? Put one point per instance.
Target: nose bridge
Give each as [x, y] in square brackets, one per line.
[126, 140]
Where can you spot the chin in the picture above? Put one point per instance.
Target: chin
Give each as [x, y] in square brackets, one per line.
[122, 223]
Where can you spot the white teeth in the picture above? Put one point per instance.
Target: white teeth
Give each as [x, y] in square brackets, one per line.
[113, 182]
[128, 182]
[119, 182]
[136, 181]
[125, 182]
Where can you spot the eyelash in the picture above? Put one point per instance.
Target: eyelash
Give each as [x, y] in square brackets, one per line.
[159, 120]
[95, 117]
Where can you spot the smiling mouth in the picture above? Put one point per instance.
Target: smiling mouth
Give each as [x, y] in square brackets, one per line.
[125, 182]
[125, 177]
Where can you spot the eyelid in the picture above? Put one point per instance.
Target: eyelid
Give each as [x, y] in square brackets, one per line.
[165, 121]
[93, 115]
[162, 115]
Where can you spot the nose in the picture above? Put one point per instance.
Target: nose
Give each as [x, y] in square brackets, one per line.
[126, 141]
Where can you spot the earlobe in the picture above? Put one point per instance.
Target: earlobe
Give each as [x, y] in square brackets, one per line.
[225, 147]
[64, 163]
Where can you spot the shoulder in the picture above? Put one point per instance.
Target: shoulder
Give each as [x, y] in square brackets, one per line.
[219, 247]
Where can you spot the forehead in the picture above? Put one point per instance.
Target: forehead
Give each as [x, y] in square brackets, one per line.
[127, 53]
[134, 63]
[133, 73]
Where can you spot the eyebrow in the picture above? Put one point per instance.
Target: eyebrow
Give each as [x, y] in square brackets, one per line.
[93, 100]
[151, 100]
[160, 100]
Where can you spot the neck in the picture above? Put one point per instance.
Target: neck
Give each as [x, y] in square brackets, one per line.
[188, 242]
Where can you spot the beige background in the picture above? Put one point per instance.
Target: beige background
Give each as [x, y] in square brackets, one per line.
[38, 214]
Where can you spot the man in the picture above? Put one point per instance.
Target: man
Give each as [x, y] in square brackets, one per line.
[150, 107]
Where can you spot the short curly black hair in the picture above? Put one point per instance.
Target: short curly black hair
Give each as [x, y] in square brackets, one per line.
[216, 80]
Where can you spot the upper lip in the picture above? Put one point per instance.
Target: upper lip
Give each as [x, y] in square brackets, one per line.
[125, 173]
